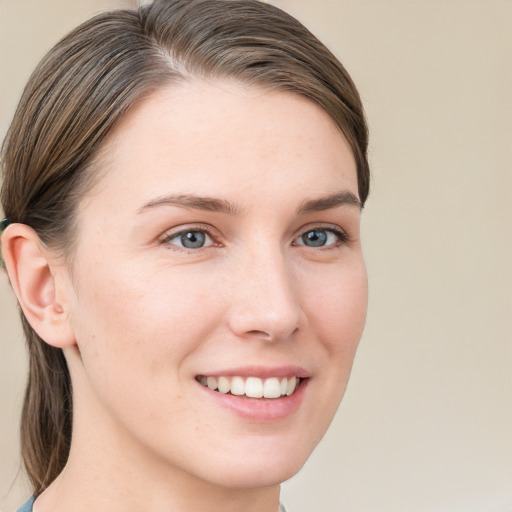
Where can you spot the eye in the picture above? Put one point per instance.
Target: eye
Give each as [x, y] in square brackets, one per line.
[190, 239]
[319, 237]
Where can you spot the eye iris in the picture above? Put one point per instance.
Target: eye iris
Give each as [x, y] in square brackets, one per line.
[315, 238]
[193, 239]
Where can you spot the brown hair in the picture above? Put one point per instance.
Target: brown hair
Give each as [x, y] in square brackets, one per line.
[85, 85]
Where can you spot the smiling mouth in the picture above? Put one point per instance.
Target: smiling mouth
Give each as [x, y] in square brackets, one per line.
[252, 387]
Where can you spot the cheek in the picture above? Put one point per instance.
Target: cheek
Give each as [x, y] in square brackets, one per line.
[336, 312]
[135, 328]
[337, 308]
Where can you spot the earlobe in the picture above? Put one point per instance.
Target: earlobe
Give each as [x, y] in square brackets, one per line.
[29, 266]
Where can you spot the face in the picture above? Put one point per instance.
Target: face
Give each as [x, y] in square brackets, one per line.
[219, 259]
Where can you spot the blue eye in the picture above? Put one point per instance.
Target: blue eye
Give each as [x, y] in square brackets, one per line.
[190, 239]
[319, 238]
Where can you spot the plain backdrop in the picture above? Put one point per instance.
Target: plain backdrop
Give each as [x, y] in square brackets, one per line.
[426, 424]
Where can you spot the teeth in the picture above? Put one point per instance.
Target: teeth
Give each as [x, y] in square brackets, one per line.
[290, 387]
[211, 382]
[237, 386]
[223, 384]
[272, 388]
[253, 387]
[284, 386]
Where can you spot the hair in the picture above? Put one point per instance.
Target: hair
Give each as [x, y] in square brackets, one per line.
[81, 90]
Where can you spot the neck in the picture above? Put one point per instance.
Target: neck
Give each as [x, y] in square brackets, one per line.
[68, 492]
[108, 470]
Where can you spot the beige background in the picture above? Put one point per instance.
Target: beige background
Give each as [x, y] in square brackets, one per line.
[426, 425]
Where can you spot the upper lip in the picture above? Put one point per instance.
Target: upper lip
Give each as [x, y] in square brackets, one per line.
[260, 371]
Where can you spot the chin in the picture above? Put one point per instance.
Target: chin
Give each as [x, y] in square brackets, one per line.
[250, 475]
[262, 464]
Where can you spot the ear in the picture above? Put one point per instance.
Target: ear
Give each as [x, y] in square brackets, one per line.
[33, 270]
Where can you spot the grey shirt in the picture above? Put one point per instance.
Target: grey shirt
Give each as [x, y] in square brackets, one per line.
[28, 506]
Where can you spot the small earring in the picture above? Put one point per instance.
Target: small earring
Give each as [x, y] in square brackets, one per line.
[5, 222]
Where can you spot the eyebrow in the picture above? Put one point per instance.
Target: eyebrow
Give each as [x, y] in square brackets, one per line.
[213, 204]
[329, 202]
[210, 204]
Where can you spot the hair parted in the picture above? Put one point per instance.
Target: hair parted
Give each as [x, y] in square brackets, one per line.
[81, 90]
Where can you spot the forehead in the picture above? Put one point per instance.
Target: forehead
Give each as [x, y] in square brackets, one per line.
[221, 137]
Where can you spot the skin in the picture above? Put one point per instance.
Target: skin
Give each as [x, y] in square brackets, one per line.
[144, 316]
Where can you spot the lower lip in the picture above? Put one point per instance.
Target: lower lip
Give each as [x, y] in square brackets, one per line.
[264, 410]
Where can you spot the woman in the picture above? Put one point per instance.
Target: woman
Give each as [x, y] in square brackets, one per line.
[182, 191]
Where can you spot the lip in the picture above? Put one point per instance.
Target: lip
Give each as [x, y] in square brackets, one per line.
[263, 372]
[260, 410]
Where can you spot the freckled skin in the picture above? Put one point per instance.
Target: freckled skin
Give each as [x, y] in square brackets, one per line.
[149, 316]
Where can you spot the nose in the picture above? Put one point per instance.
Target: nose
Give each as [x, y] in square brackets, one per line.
[265, 302]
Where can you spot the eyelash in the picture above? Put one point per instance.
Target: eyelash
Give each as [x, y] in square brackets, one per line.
[342, 238]
[166, 240]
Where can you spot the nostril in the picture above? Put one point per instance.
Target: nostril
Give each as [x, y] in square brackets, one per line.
[265, 335]
[262, 334]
